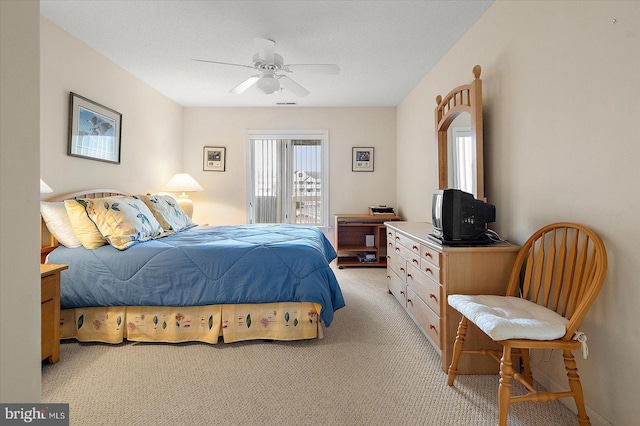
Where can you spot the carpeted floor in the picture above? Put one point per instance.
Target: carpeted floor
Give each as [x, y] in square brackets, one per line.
[373, 367]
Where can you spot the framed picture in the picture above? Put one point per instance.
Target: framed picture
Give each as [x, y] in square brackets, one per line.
[214, 158]
[362, 159]
[94, 130]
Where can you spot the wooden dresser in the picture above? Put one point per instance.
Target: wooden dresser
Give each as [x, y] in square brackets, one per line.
[50, 311]
[423, 273]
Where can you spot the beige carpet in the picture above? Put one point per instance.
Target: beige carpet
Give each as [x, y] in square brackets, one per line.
[373, 367]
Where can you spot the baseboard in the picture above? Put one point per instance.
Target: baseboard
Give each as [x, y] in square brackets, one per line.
[552, 386]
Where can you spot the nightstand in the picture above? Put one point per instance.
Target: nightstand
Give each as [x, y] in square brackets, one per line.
[50, 314]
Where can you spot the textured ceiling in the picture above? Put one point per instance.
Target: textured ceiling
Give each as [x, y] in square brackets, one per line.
[383, 48]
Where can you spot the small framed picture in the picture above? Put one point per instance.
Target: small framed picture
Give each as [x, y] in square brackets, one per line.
[362, 159]
[214, 159]
[94, 130]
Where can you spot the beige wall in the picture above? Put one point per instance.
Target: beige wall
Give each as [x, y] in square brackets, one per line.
[151, 150]
[560, 84]
[19, 163]
[224, 198]
[153, 130]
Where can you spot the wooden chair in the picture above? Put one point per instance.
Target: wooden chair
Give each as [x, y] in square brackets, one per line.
[555, 279]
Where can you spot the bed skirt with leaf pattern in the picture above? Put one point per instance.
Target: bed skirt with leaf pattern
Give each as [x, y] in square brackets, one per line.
[272, 321]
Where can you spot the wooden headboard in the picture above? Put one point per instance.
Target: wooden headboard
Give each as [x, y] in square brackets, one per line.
[47, 241]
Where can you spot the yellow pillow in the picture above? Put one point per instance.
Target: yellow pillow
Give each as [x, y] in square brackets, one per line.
[83, 227]
[123, 221]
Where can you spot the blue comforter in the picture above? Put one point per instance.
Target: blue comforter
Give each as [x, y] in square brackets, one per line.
[206, 265]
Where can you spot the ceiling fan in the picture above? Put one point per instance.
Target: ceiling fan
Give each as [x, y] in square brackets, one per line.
[269, 64]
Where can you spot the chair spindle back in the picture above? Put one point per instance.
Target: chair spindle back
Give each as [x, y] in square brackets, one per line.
[562, 267]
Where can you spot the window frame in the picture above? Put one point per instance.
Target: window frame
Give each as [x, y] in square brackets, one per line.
[289, 135]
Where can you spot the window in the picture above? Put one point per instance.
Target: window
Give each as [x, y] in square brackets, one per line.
[461, 162]
[288, 178]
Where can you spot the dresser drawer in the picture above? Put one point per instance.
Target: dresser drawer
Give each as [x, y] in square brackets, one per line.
[410, 255]
[430, 255]
[409, 243]
[47, 326]
[427, 289]
[430, 270]
[398, 265]
[398, 288]
[426, 319]
[390, 246]
[48, 288]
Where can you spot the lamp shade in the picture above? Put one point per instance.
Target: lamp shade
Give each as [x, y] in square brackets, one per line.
[182, 182]
[44, 188]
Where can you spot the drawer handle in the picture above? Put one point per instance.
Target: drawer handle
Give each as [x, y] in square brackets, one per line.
[428, 254]
[410, 276]
[433, 296]
[428, 270]
[416, 247]
[402, 269]
[397, 249]
[410, 301]
[397, 238]
[433, 327]
[402, 292]
[415, 261]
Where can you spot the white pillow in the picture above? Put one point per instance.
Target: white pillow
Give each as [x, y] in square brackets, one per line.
[57, 220]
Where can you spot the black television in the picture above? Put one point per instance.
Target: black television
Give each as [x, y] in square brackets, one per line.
[460, 219]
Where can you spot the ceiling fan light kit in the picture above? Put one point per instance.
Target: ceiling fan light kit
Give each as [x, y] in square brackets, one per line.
[268, 63]
[267, 84]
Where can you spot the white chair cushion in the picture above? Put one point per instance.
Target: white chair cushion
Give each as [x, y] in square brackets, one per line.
[506, 317]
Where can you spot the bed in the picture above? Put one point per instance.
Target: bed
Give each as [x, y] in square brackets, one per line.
[186, 283]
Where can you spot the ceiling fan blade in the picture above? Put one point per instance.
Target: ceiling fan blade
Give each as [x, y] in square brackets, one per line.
[315, 68]
[266, 49]
[245, 84]
[221, 63]
[291, 85]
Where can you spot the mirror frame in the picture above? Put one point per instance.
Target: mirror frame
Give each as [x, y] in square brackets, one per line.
[466, 98]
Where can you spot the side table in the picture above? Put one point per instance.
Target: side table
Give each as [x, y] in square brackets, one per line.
[50, 311]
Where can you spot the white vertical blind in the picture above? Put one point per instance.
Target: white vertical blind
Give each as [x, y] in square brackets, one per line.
[267, 199]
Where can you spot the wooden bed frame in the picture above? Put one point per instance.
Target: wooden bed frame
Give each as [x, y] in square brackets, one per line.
[113, 324]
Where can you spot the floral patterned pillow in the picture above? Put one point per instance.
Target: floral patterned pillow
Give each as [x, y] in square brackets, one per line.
[167, 212]
[122, 221]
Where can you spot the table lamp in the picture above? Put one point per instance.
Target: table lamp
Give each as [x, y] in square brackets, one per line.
[44, 188]
[183, 182]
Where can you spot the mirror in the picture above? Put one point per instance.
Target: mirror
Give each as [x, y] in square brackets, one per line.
[459, 138]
